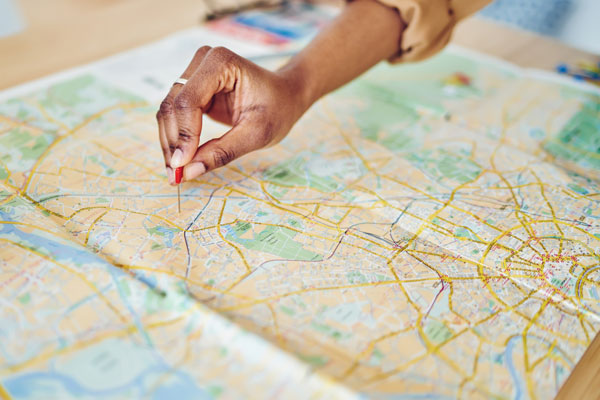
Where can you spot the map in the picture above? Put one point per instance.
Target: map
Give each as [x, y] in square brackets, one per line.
[428, 231]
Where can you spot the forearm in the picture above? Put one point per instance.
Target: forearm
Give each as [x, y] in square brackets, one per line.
[260, 105]
[365, 33]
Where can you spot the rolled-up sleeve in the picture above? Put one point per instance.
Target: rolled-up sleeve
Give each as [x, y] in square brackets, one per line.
[429, 24]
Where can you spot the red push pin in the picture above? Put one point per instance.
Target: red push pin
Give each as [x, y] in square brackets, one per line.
[178, 177]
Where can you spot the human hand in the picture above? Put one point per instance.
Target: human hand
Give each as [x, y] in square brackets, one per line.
[260, 105]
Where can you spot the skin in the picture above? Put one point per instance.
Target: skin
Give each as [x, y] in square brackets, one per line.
[261, 106]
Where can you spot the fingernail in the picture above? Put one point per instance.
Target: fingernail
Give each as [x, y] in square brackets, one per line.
[176, 158]
[192, 170]
[170, 175]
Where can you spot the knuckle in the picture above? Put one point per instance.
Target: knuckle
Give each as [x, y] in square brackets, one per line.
[166, 107]
[185, 134]
[221, 53]
[182, 102]
[201, 52]
[222, 156]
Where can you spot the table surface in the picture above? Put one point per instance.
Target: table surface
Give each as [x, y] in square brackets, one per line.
[64, 33]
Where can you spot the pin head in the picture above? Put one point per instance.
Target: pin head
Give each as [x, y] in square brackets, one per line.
[178, 175]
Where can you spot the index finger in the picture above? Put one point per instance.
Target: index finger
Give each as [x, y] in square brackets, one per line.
[218, 73]
[167, 124]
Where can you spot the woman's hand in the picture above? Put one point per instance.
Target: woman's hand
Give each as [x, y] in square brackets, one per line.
[260, 106]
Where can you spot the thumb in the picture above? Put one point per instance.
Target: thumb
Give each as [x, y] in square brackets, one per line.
[238, 141]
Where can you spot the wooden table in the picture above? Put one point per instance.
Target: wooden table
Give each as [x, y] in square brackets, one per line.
[66, 33]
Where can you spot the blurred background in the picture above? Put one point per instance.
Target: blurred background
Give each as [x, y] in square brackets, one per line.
[574, 22]
[40, 37]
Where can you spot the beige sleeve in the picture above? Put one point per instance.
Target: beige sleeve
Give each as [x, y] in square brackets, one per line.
[429, 24]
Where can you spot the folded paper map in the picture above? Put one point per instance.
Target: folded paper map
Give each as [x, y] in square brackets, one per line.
[429, 230]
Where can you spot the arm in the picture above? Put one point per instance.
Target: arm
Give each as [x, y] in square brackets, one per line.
[262, 106]
[366, 33]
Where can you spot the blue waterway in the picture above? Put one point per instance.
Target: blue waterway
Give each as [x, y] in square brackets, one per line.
[25, 384]
[229, 231]
[28, 384]
[517, 379]
[59, 251]
[64, 252]
[167, 233]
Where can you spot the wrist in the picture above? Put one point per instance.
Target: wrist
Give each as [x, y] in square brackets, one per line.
[300, 84]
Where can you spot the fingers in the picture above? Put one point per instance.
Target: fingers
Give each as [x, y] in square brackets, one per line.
[211, 72]
[167, 123]
[217, 73]
[238, 141]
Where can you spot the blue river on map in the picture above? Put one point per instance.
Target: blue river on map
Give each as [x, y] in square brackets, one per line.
[59, 251]
[24, 385]
[64, 252]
